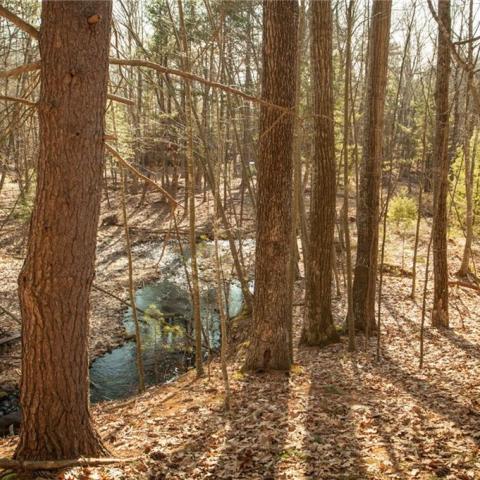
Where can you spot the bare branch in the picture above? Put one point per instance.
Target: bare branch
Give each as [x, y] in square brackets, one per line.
[132, 169]
[118, 99]
[466, 66]
[18, 99]
[15, 72]
[467, 40]
[196, 78]
[18, 22]
[25, 101]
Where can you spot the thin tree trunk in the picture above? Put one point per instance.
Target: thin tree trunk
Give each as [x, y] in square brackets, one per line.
[469, 160]
[440, 173]
[346, 129]
[190, 186]
[364, 284]
[131, 287]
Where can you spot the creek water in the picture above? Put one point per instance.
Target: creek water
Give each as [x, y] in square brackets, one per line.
[166, 350]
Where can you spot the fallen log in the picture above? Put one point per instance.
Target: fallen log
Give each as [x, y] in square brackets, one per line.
[33, 465]
[460, 283]
[10, 338]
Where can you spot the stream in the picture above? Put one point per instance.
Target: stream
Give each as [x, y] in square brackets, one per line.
[167, 340]
[166, 325]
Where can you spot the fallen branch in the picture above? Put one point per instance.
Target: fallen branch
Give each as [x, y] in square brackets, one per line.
[460, 283]
[33, 465]
[10, 338]
[132, 169]
[10, 314]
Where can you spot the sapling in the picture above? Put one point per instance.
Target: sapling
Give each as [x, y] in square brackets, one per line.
[402, 212]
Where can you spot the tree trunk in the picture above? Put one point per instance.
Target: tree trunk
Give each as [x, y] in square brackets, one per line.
[468, 159]
[319, 328]
[269, 344]
[440, 173]
[364, 283]
[350, 321]
[55, 282]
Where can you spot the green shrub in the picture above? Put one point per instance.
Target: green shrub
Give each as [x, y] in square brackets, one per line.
[402, 211]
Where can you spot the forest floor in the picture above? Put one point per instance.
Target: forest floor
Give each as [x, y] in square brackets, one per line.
[337, 415]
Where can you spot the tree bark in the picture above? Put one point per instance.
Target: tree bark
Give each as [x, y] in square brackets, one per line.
[469, 159]
[364, 283]
[440, 172]
[319, 328]
[272, 314]
[55, 282]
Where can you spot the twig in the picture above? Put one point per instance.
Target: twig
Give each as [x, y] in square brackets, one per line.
[116, 297]
[10, 314]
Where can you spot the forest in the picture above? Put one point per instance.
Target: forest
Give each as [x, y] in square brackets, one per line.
[239, 239]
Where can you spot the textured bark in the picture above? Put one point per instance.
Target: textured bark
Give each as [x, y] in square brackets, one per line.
[440, 173]
[364, 283]
[272, 315]
[319, 328]
[55, 282]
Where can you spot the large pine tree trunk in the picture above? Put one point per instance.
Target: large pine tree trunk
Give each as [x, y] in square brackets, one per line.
[55, 281]
[440, 173]
[364, 283]
[319, 328]
[269, 345]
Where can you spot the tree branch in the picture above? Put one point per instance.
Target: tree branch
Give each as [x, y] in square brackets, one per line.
[18, 99]
[196, 78]
[14, 72]
[18, 22]
[132, 169]
[119, 99]
[110, 96]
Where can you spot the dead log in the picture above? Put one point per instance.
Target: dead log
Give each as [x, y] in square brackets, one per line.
[34, 465]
